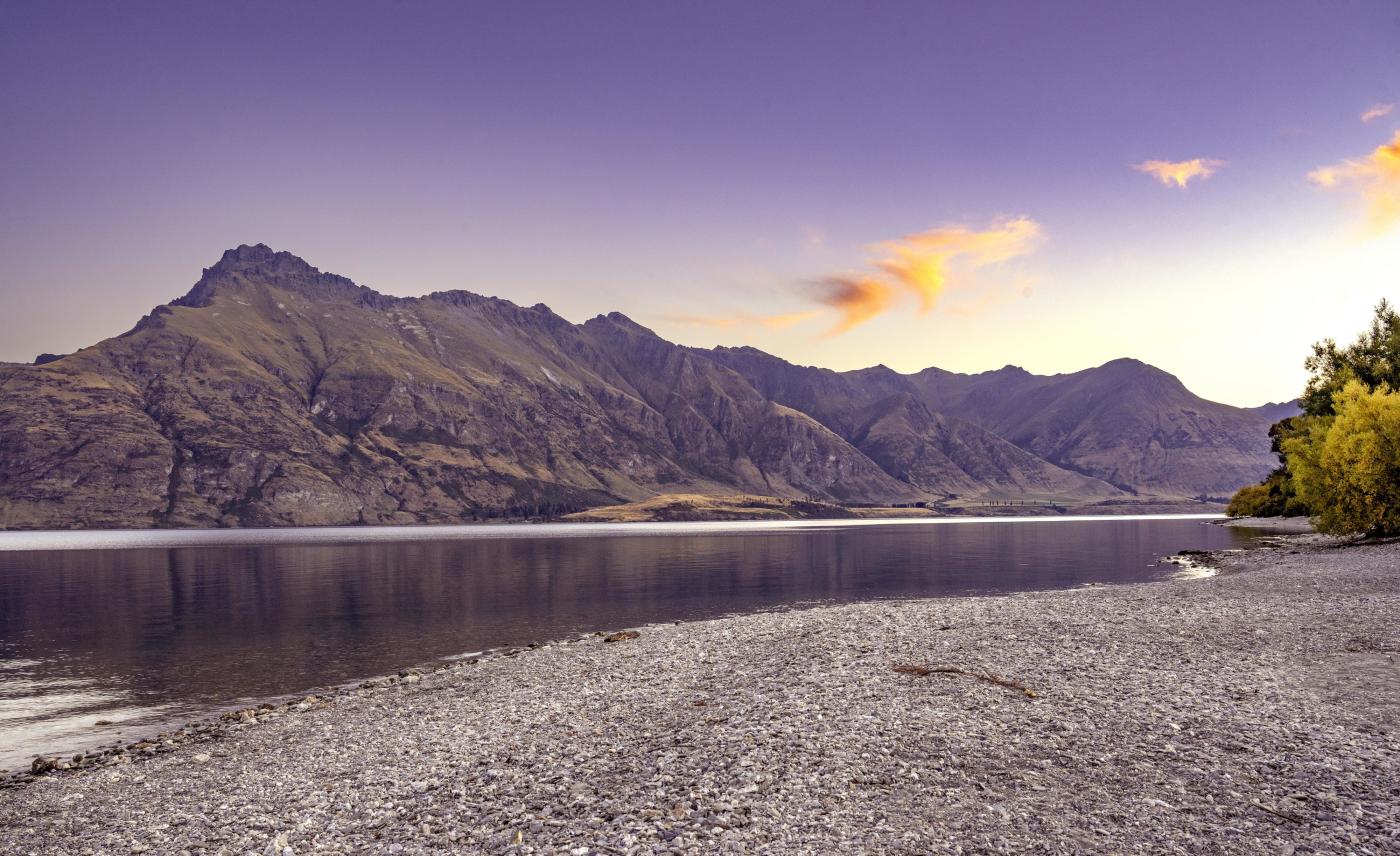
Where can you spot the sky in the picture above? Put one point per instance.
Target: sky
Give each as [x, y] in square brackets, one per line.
[1208, 187]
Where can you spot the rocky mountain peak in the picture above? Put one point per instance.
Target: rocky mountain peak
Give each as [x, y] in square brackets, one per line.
[619, 321]
[250, 256]
[1126, 370]
[260, 264]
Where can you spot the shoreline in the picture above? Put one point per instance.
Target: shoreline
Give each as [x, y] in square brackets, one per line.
[19, 540]
[672, 716]
[1277, 525]
[722, 508]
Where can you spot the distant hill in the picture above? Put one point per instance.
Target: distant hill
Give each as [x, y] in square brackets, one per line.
[1125, 422]
[1279, 411]
[275, 394]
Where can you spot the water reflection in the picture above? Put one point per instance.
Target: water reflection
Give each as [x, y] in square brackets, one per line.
[131, 635]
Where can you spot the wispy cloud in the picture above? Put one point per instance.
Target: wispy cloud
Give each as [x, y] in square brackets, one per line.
[858, 298]
[1179, 173]
[920, 262]
[1375, 178]
[1377, 111]
[919, 266]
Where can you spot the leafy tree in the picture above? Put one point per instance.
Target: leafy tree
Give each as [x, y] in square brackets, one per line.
[1373, 359]
[1346, 467]
[1372, 362]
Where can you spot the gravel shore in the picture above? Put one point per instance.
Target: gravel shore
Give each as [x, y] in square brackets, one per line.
[1277, 525]
[1255, 711]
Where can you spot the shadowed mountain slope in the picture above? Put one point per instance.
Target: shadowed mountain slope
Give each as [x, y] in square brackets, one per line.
[1125, 422]
[884, 415]
[275, 394]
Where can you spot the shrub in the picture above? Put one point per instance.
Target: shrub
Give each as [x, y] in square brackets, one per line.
[1250, 501]
[1275, 497]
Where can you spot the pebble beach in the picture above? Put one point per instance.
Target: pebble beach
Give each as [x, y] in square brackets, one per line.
[1255, 710]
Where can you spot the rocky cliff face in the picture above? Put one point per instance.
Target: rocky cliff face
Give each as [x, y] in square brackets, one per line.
[275, 394]
[886, 416]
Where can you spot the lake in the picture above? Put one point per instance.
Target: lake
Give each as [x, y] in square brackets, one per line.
[152, 628]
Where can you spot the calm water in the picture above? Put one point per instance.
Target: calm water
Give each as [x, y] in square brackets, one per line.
[149, 628]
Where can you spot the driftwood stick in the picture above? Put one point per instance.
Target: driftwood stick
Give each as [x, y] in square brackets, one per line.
[987, 677]
[1283, 814]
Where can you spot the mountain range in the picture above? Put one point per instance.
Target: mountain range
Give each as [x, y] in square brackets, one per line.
[273, 394]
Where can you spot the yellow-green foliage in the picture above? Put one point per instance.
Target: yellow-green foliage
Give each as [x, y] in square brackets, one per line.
[1347, 467]
[1340, 376]
[1276, 497]
[1250, 501]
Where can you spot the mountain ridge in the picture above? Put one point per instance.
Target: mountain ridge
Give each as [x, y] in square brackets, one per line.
[272, 393]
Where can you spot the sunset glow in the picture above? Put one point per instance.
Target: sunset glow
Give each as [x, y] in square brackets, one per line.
[1374, 178]
[920, 262]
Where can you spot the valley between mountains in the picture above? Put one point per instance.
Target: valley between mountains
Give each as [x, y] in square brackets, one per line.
[273, 394]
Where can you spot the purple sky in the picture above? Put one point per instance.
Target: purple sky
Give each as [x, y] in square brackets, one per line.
[708, 162]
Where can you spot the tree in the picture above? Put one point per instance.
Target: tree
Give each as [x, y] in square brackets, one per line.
[1346, 466]
[1373, 362]
[1373, 359]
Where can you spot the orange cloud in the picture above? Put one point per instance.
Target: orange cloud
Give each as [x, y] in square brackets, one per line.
[1375, 178]
[1179, 172]
[858, 298]
[920, 262]
[1377, 111]
[921, 265]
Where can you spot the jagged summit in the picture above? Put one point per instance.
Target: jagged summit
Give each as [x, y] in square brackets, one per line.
[620, 321]
[263, 261]
[261, 265]
[1007, 371]
[249, 256]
